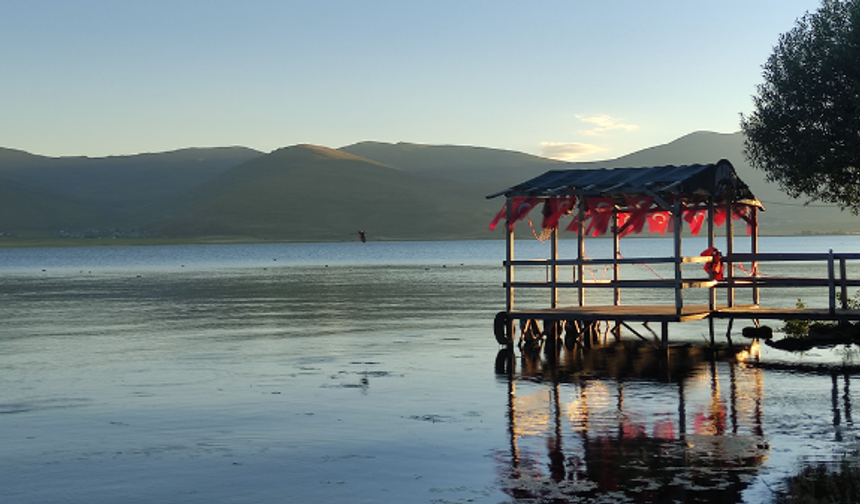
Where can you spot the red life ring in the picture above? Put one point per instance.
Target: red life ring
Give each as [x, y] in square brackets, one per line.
[715, 267]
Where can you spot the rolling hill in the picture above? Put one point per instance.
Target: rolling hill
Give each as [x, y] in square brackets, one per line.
[396, 191]
[121, 190]
[314, 193]
[493, 170]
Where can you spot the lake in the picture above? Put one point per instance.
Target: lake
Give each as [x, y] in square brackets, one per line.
[357, 373]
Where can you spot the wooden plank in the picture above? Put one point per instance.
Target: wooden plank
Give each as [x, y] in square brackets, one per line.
[741, 257]
[792, 282]
[602, 261]
[629, 284]
[609, 312]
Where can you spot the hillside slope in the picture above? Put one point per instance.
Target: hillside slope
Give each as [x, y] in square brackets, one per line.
[314, 193]
[308, 193]
[490, 171]
[26, 210]
[783, 215]
[484, 167]
[121, 187]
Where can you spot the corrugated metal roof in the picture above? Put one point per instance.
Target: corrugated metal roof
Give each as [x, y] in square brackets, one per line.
[717, 179]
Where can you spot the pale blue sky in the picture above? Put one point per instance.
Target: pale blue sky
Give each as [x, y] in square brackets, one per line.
[604, 77]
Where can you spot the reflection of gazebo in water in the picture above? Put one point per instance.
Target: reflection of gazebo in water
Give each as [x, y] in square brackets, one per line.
[617, 424]
[622, 201]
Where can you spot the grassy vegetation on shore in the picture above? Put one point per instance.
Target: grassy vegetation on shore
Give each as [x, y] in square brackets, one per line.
[822, 483]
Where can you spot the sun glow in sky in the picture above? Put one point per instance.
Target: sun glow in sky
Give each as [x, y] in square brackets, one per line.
[570, 79]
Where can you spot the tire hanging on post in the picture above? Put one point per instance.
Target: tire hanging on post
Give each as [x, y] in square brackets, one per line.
[501, 324]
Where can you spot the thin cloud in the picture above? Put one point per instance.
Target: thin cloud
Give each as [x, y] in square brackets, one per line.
[604, 123]
[564, 151]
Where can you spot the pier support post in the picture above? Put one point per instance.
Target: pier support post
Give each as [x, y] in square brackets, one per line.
[711, 330]
[509, 254]
[729, 333]
[664, 343]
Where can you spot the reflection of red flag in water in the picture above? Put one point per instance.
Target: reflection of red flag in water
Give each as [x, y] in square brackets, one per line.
[600, 213]
[658, 222]
[519, 208]
[664, 429]
[554, 208]
[633, 431]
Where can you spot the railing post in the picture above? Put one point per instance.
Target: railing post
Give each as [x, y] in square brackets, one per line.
[712, 291]
[843, 275]
[679, 298]
[554, 269]
[580, 249]
[831, 282]
[756, 297]
[509, 253]
[616, 252]
[730, 249]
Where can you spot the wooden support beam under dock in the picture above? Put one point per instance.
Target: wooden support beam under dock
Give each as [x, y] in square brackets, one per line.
[667, 313]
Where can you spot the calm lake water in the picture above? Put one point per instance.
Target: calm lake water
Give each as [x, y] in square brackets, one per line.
[369, 373]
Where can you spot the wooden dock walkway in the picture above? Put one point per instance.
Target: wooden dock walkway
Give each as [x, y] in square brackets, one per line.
[668, 313]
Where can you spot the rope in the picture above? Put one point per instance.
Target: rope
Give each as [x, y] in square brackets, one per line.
[545, 233]
[591, 270]
[740, 266]
[646, 266]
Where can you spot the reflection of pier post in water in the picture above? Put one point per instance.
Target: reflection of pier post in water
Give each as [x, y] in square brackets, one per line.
[846, 400]
[616, 419]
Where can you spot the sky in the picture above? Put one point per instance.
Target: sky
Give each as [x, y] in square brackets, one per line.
[568, 79]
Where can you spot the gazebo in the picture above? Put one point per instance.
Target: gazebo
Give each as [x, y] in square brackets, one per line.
[618, 202]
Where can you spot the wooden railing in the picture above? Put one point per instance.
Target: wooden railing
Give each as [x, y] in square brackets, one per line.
[836, 275]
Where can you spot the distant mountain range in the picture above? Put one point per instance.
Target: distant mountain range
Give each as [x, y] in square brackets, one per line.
[397, 191]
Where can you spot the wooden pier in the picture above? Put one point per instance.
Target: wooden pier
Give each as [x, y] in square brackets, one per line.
[621, 201]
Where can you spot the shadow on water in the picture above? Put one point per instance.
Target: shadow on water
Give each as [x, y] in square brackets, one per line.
[626, 423]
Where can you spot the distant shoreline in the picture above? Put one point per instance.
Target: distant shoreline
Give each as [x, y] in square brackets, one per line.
[46, 242]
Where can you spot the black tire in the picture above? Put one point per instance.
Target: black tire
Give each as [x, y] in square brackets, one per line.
[501, 324]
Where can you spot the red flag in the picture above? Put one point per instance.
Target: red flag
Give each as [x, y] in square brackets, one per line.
[659, 221]
[719, 215]
[554, 208]
[520, 208]
[499, 217]
[600, 213]
[638, 206]
[738, 212]
[695, 218]
[574, 224]
[623, 217]
[743, 212]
